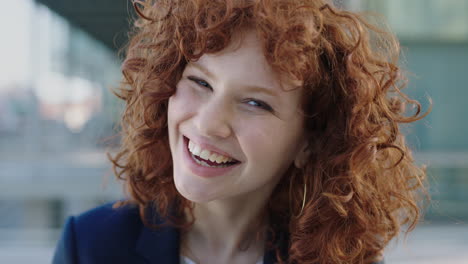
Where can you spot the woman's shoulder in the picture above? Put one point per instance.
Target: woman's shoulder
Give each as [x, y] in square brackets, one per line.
[106, 225]
[98, 234]
[106, 218]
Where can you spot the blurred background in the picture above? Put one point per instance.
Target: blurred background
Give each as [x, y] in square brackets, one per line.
[59, 60]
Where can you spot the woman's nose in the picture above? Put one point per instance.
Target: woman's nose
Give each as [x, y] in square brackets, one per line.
[213, 120]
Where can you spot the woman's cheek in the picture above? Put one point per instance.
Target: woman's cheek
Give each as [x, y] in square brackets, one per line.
[184, 100]
[259, 135]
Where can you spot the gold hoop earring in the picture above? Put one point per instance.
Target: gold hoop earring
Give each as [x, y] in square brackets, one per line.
[291, 191]
[303, 198]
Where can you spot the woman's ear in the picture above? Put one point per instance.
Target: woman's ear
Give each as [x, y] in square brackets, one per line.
[301, 157]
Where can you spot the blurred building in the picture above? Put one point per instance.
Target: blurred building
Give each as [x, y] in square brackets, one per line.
[56, 118]
[434, 39]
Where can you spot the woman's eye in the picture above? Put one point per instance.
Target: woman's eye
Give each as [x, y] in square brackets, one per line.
[199, 82]
[251, 102]
[259, 104]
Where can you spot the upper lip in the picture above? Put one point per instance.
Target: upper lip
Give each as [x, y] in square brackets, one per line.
[207, 146]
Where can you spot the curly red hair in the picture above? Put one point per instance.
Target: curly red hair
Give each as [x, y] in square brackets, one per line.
[362, 184]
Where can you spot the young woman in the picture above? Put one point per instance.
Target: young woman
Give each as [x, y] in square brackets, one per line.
[255, 132]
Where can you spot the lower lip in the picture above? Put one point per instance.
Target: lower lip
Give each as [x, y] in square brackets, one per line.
[206, 172]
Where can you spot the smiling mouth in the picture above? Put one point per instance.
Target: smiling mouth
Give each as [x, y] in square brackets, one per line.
[211, 164]
[208, 158]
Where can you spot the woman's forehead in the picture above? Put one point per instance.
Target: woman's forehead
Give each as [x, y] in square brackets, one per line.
[244, 60]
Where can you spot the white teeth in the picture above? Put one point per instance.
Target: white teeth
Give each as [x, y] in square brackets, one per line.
[206, 154]
[196, 150]
[200, 162]
[190, 145]
[220, 159]
[213, 157]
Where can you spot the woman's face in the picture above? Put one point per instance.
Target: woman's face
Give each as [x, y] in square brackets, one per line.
[230, 107]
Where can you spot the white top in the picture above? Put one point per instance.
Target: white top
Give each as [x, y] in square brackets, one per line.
[186, 260]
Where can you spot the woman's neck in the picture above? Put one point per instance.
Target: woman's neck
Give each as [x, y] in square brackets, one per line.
[228, 229]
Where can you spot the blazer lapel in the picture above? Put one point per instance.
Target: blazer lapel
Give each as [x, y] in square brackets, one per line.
[159, 246]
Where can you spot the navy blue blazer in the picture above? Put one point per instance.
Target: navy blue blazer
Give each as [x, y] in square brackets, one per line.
[106, 235]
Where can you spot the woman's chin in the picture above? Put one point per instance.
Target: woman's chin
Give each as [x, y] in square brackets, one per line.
[196, 194]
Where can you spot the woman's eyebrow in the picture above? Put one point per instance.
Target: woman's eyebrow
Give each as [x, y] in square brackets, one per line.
[203, 69]
[251, 88]
[259, 89]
